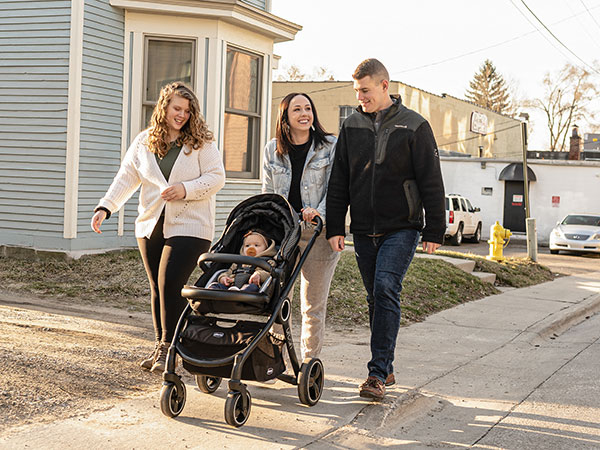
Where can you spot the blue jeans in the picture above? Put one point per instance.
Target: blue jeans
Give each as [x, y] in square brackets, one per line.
[383, 262]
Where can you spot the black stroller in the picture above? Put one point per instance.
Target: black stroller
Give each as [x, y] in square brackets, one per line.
[211, 338]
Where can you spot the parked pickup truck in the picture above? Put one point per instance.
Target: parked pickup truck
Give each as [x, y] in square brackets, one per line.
[462, 220]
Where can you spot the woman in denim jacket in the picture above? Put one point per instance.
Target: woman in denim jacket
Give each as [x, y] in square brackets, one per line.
[297, 164]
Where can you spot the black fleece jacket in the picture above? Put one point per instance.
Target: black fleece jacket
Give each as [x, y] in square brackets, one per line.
[386, 177]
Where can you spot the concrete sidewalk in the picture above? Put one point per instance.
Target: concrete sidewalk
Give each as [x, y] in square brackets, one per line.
[459, 374]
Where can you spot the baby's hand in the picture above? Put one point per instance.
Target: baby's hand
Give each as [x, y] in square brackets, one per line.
[227, 281]
[255, 279]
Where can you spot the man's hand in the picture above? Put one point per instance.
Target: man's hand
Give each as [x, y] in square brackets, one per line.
[430, 247]
[175, 192]
[337, 243]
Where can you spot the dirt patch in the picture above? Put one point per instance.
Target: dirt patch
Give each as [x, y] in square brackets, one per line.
[56, 366]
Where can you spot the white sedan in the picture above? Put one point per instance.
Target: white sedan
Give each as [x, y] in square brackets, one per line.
[576, 233]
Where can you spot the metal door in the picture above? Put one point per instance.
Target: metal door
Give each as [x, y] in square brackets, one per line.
[514, 206]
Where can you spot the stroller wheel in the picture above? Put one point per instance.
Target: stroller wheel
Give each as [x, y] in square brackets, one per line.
[207, 384]
[310, 382]
[172, 399]
[235, 413]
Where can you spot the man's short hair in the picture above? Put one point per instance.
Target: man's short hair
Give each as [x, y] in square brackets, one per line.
[373, 68]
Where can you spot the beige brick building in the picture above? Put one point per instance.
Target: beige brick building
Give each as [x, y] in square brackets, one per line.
[458, 125]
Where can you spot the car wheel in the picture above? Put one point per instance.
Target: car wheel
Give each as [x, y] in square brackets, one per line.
[458, 237]
[553, 252]
[477, 236]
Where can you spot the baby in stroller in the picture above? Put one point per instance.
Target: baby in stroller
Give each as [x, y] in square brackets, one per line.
[245, 277]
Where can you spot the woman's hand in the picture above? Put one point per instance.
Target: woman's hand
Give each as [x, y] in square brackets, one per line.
[175, 192]
[97, 220]
[308, 214]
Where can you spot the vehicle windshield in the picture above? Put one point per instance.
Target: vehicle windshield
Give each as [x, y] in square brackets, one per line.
[592, 221]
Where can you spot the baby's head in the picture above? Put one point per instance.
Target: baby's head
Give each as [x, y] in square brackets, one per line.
[254, 243]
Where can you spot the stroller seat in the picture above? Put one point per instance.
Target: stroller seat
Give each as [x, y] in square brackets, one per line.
[204, 300]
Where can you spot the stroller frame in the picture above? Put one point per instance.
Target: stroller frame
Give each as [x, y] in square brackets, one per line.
[308, 376]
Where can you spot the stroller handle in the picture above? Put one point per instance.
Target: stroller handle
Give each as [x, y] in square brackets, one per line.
[318, 222]
[237, 259]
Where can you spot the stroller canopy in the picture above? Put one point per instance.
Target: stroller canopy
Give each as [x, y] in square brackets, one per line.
[269, 214]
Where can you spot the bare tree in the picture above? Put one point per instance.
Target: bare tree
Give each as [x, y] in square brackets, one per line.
[322, 73]
[292, 73]
[567, 98]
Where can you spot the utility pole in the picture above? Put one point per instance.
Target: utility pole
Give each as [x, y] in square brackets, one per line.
[530, 227]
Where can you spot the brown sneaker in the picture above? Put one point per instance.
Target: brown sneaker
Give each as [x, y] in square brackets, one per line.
[149, 362]
[372, 388]
[390, 380]
[161, 358]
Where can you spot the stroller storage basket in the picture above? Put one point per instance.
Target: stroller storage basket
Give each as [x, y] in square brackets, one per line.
[207, 339]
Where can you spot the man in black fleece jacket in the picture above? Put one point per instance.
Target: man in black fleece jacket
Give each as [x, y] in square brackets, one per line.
[387, 170]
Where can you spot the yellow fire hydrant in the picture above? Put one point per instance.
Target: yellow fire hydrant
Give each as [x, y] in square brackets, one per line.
[498, 234]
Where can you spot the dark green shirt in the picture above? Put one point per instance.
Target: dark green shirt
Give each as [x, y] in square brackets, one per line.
[166, 163]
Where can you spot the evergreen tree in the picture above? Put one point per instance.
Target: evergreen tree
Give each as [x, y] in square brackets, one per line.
[488, 89]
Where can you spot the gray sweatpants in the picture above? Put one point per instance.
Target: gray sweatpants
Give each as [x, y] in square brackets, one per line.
[316, 276]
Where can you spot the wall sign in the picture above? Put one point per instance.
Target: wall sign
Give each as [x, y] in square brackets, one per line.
[517, 200]
[479, 123]
[555, 201]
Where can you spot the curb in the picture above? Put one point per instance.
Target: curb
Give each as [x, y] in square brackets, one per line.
[578, 314]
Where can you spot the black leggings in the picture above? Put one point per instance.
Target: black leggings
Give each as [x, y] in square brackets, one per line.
[169, 264]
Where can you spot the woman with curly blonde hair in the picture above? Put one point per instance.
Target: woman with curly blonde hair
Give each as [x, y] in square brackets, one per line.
[179, 169]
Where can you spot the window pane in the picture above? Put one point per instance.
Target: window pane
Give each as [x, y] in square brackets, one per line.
[242, 81]
[237, 142]
[147, 115]
[167, 61]
[345, 112]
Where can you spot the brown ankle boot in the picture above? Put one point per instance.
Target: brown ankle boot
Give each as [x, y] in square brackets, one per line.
[161, 358]
[149, 362]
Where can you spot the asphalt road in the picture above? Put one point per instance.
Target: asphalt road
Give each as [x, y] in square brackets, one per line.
[563, 263]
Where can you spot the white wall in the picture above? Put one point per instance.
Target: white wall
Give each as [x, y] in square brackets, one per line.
[577, 183]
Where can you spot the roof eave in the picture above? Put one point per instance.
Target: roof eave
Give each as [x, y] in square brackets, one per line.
[231, 11]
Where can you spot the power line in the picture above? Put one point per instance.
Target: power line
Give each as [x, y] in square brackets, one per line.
[343, 85]
[461, 55]
[458, 132]
[557, 39]
[464, 54]
[537, 30]
[590, 13]
[583, 27]
[480, 136]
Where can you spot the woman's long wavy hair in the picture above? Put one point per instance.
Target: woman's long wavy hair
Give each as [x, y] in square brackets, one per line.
[194, 134]
[283, 133]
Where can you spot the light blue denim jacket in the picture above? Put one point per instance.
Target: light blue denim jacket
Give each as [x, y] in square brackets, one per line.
[277, 173]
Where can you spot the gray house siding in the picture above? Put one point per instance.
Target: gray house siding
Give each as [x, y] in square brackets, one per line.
[228, 197]
[101, 121]
[262, 4]
[34, 50]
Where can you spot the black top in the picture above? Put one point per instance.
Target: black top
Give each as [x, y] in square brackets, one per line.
[298, 158]
[386, 177]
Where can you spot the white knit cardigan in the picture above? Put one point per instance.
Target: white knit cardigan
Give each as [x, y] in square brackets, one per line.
[202, 174]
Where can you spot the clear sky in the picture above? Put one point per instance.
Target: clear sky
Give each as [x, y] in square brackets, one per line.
[438, 45]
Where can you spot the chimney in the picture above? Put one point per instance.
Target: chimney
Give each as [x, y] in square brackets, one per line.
[576, 145]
